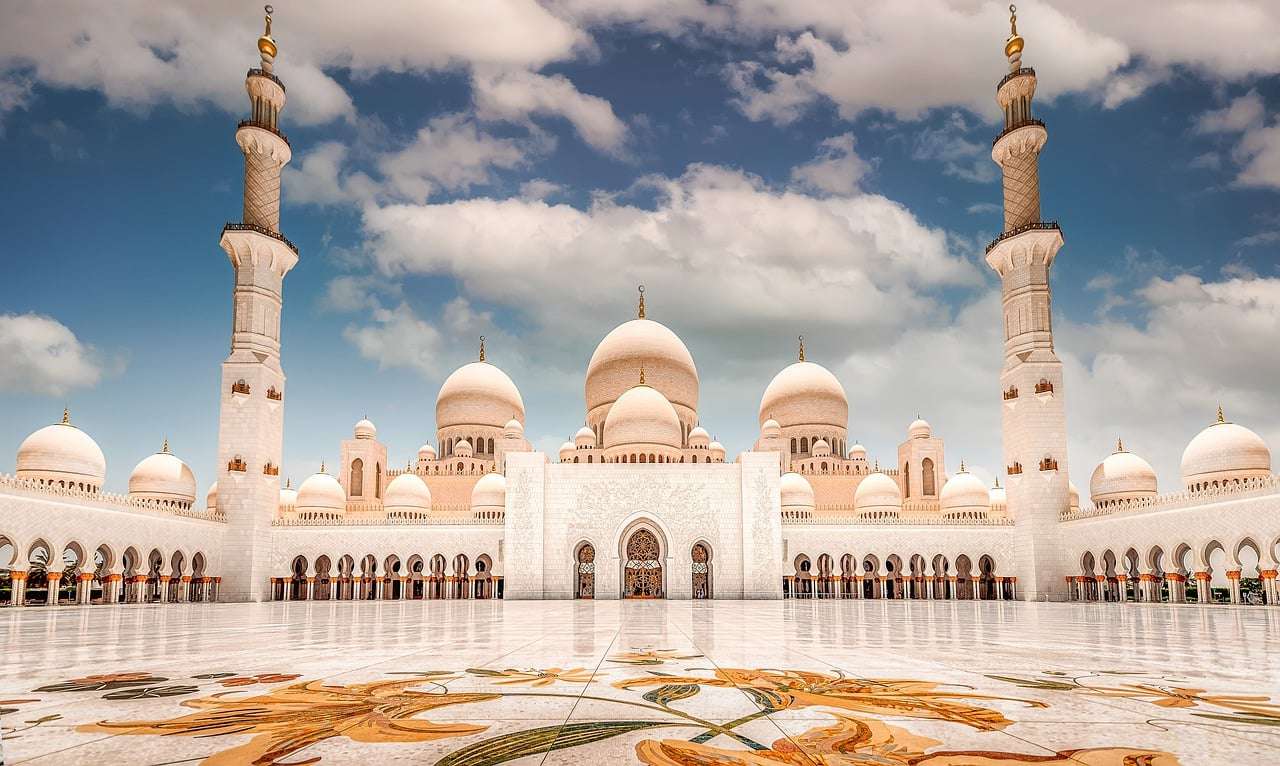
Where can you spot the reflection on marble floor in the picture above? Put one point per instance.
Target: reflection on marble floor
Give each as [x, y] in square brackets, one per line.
[464, 683]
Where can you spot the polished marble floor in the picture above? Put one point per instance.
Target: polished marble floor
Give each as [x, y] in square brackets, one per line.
[464, 683]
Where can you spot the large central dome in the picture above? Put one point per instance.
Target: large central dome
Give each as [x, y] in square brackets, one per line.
[667, 363]
[805, 394]
[478, 394]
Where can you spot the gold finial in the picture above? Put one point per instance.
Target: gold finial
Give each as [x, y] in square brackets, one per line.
[482, 348]
[1119, 444]
[322, 467]
[642, 374]
[267, 45]
[1013, 45]
[640, 314]
[997, 482]
[165, 447]
[962, 466]
[66, 416]
[802, 348]
[288, 483]
[1221, 418]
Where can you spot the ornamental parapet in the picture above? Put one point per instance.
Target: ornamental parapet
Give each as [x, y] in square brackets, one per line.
[1033, 226]
[1022, 124]
[1247, 488]
[1020, 72]
[429, 521]
[234, 226]
[255, 72]
[853, 519]
[109, 501]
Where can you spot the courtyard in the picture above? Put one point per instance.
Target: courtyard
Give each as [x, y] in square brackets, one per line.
[463, 683]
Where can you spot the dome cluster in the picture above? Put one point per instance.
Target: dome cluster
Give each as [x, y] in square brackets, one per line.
[668, 365]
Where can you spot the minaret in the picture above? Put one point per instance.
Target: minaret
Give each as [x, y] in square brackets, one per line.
[1034, 420]
[250, 428]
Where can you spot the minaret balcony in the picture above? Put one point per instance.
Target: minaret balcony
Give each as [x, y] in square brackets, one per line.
[262, 126]
[1019, 126]
[1036, 242]
[1025, 71]
[250, 243]
[256, 72]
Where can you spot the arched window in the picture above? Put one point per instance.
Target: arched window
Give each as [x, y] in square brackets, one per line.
[589, 458]
[927, 477]
[355, 484]
[793, 445]
[491, 446]
[377, 480]
[804, 444]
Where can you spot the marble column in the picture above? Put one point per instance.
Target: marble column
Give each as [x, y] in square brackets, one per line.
[311, 588]
[1203, 592]
[18, 583]
[1233, 583]
[1268, 577]
[1122, 585]
[53, 580]
[928, 588]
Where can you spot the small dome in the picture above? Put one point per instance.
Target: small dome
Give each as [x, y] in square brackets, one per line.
[877, 492]
[857, 452]
[478, 394]
[427, 452]
[805, 394]
[770, 429]
[365, 429]
[407, 492]
[211, 497]
[716, 449]
[585, 437]
[1073, 496]
[796, 491]
[699, 437]
[1121, 476]
[288, 499]
[821, 448]
[919, 429]
[490, 492]
[464, 449]
[513, 429]
[998, 498]
[163, 477]
[62, 452]
[1225, 451]
[566, 451]
[964, 492]
[642, 416]
[321, 494]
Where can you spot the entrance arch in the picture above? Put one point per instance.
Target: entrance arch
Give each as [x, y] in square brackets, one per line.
[642, 565]
[586, 572]
[701, 555]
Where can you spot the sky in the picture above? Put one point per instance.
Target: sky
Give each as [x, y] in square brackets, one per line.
[513, 169]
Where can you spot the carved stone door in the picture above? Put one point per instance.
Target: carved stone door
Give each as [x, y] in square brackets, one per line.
[586, 572]
[644, 566]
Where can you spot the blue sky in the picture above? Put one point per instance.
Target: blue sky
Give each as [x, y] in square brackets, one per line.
[513, 169]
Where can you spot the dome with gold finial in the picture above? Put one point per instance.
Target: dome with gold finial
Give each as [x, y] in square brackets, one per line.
[62, 455]
[642, 420]
[163, 477]
[1122, 476]
[1223, 452]
[805, 394]
[478, 394]
[645, 343]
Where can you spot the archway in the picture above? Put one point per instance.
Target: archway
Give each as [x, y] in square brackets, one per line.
[701, 555]
[643, 568]
[586, 572]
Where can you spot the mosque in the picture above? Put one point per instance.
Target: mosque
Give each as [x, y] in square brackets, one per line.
[640, 502]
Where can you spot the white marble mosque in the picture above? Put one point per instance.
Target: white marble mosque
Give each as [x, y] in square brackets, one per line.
[640, 501]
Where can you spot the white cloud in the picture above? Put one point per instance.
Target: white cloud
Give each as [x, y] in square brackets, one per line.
[539, 189]
[43, 356]
[398, 337]
[453, 154]
[195, 54]
[836, 170]
[960, 157]
[515, 96]
[1258, 150]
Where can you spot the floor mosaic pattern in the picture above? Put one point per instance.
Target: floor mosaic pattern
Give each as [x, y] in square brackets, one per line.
[771, 683]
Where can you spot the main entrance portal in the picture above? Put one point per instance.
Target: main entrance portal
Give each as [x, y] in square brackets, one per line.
[644, 566]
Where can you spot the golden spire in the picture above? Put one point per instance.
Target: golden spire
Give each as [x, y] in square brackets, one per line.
[1119, 444]
[640, 314]
[1013, 45]
[267, 45]
[482, 348]
[997, 482]
[642, 374]
[962, 466]
[66, 416]
[288, 483]
[165, 447]
[802, 348]
[322, 467]
[1221, 418]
